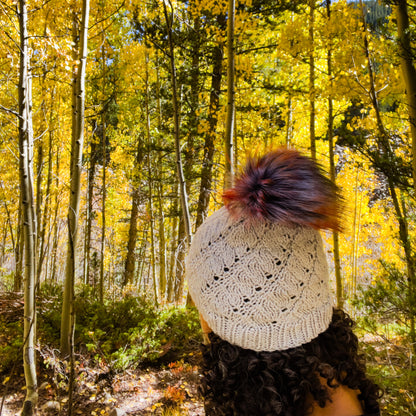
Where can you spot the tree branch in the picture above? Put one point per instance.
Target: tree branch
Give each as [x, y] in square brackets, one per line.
[9, 110]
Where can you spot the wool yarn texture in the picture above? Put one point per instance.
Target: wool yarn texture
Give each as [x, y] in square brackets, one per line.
[262, 287]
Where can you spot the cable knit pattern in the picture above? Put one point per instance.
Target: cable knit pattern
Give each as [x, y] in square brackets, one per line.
[262, 287]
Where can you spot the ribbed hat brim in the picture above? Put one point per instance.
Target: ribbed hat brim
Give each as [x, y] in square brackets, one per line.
[273, 337]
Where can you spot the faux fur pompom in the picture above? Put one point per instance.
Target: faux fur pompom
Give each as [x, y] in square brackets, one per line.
[285, 187]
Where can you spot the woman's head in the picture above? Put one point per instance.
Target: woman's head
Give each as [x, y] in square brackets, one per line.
[257, 270]
[238, 381]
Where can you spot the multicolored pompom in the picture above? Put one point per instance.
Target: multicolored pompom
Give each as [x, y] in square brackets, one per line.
[285, 187]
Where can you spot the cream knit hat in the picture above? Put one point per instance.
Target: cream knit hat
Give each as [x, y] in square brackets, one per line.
[261, 281]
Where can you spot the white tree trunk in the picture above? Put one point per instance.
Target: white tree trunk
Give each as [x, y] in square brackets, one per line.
[77, 142]
[229, 128]
[29, 217]
[179, 165]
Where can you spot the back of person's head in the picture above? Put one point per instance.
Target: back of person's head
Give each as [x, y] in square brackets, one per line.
[292, 382]
[258, 274]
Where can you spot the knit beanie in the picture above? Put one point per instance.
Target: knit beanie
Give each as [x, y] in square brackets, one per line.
[256, 268]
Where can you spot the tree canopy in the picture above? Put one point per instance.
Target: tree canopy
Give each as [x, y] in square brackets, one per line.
[332, 79]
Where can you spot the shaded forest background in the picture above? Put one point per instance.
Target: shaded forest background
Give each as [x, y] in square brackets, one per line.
[109, 161]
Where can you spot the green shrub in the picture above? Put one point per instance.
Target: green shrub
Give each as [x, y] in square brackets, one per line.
[130, 331]
[49, 310]
[151, 338]
[389, 367]
[388, 341]
[125, 332]
[10, 345]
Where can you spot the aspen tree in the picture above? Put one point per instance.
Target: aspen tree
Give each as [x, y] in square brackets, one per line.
[356, 234]
[229, 127]
[209, 148]
[39, 196]
[43, 238]
[104, 168]
[89, 209]
[173, 258]
[289, 120]
[194, 81]
[77, 140]
[312, 115]
[55, 227]
[179, 168]
[161, 219]
[150, 180]
[18, 274]
[335, 234]
[29, 215]
[162, 238]
[130, 261]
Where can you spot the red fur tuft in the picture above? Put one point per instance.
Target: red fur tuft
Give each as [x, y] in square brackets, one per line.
[284, 186]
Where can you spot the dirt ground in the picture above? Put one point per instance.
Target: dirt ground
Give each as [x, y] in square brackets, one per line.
[168, 390]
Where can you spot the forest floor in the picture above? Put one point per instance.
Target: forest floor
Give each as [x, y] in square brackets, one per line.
[166, 389]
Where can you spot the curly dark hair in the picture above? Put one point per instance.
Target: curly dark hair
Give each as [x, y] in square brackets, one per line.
[238, 381]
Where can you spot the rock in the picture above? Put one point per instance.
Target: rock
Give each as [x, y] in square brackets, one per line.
[116, 412]
[51, 406]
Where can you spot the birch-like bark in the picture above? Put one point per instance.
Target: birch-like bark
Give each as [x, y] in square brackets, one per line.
[312, 114]
[209, 146]
[104, 172]
[172, 263]
[3, 244]
[89, 211]
[193, 100]
[335, 234]
[150, 181]
[103, 210]
[130, 262]
[43, 217]
[38, 210]
[18, 275]
[55, 222]
[180, 261]
[162, 238]
[289, 122]
[77, 142]
[45, 239]
[179, 167]
[229, 127]
[160, 182]
[355, 239]
[29, 215]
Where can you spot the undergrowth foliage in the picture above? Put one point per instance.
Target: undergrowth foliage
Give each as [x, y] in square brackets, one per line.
[126, 332]
[122, 333]
[130, 332]
[385, 328]
[388, 365]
